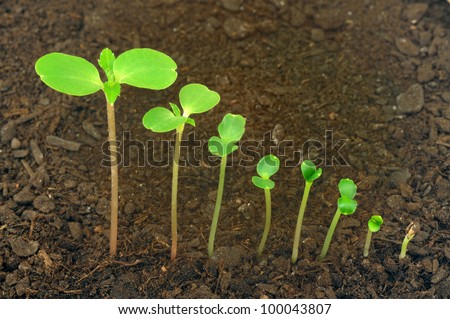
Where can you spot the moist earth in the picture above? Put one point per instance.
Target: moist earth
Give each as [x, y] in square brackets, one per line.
[361, 87]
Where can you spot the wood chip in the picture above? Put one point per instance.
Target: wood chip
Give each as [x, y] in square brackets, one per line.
[36, 151]
[68, 145]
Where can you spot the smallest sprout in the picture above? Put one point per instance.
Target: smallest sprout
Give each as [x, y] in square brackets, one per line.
[411, 231]
[374, 225]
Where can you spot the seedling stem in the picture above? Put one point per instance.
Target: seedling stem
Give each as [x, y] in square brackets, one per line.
[267, 222]
[330, 233]
[114, 178]
[173, 214]
[215, 219]
[298, 227]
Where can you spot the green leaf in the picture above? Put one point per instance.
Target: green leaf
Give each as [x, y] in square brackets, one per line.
[347, 206]
[112, 91]
[106, 62]
[232, 127]
[347, 188]
[375, 223]
[219, 147]
[68, 74]
[309, 171]
[267, 166]
[197, 98]
[175, 109]
[145, 68]
[263, 183]
[160, 119]
[190, 121]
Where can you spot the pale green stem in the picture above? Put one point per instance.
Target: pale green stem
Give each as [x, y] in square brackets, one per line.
[404, 246]
[367, 244]
[173, 216]
[215, 219]
[330, 233]
[262, 244]
[298, 227]
[114, 179]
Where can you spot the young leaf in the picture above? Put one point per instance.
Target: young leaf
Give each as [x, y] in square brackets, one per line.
[267, 166]
[197, 98]
[160, 119]
[175, 109]
[145, 68]
[68, 74]
[106, 62]
[263, 183]
[232, 128]
[347, 188]
[375, 223]
[112, 91]
[309, 171]
[347, 206]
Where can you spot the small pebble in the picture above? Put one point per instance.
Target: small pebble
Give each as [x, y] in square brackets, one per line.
[317, 35]
[413, 12]
[15, 143]
[329, 19]
[412, 100]
[25, 196]
[23, 248]
[406, 47]
[400, 177]
[76, 230]
[43, 203]
[425, 73]
[237, 29]
[8, 132]
[231, 5]
[70, 183]
[20, 153]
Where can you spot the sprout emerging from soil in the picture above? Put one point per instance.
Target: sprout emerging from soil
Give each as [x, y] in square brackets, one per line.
[72, 75]
[230, 130]
[411, 231]
[310, 174]
[346, 206]
[374, 225]
[194, 99]
[267, 166]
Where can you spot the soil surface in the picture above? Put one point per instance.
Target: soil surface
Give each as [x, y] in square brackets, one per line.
[361, 87]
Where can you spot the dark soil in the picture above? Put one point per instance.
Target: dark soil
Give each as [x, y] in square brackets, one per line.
[375, 73]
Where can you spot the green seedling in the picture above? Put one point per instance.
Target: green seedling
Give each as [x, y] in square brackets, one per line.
[72, 75]
[346, 206]
[267, 166]
[374, 225]
[230, 130]
[194, 99]
[310, 174]
[411, 231]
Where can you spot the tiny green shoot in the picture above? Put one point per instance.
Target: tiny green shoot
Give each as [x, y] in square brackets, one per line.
[72, 75]
[194, 99]
[412, 229]
[267, 166]
[230, 130]
[346, 206]
[310, 174]
[373, 225]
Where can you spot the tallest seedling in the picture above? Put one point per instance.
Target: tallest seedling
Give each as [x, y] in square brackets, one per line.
[72, 75]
